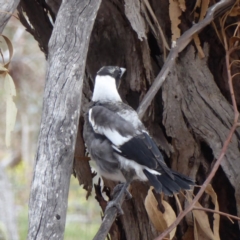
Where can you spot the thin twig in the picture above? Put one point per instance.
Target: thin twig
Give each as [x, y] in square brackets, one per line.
[181, 43]
[220, 213]
[160, 31]
[236, 113]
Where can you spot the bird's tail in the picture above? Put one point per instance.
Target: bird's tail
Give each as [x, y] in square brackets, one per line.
[164, 183]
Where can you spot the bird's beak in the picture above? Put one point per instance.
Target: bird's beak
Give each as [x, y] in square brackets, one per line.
[123, 70]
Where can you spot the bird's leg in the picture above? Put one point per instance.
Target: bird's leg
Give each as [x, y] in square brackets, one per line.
[117, 199]
[122, 190]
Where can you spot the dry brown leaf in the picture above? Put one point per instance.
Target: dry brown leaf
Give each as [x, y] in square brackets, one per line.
[199, 232]
[217, 32]
[198, 45]
[182, 5]
[202, 230]
[202, 219]
[174, 13]
[204, 8]
[189, 234]
[234, 41]
[197, 4]
[235, 12]
[9, 93]
[178, 202]
[216, 222]
[161, 221]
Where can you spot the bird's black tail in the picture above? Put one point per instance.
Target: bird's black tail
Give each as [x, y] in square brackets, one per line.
[164, 183]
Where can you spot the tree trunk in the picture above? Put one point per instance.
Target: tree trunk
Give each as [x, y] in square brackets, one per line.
[61, 110]
[189, 118]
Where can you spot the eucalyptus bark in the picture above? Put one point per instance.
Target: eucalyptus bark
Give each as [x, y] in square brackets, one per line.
[61, 110]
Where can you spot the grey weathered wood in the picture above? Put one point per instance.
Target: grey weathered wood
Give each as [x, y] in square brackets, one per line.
[7, 8]
[61, 109]
[133, 13]
[191, 94]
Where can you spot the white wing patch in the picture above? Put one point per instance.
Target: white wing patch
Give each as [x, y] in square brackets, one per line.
[130, 164]
[116, 148]
[114, 136]
[90, 118]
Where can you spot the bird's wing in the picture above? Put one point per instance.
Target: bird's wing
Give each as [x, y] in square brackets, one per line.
[126, 140]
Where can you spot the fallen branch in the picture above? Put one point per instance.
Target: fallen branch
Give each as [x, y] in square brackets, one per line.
[181, 43]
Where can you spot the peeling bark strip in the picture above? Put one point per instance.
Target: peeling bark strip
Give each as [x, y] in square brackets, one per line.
[61, 109]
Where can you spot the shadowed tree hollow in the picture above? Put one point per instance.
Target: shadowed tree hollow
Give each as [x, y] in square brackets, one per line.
[189, 117]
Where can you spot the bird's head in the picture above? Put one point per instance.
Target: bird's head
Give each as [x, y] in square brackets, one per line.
[106, 84]
[113, 72]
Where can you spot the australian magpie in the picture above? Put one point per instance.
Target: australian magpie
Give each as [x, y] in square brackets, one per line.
[120, 144]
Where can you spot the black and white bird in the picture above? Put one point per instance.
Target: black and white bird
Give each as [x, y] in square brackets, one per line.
[119, 143]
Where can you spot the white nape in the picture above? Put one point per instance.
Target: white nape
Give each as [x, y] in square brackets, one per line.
[105, 90]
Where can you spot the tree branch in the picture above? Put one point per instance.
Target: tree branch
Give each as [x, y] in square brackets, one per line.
[218, 212]
[110, 215]
[181, 43]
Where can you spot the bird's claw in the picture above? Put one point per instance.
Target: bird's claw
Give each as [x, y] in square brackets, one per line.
[117, 190]
[115, 204]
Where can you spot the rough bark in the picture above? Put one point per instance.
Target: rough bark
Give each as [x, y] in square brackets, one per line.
[61, 110]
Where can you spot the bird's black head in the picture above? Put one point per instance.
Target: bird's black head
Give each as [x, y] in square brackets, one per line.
[114, 72]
